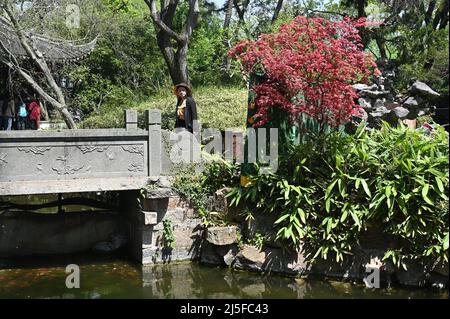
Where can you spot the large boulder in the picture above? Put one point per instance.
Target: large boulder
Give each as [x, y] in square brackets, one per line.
[401, 112]
[220, 236]
[250, 257]
[365, 102]
[423, 89]
[413, 102]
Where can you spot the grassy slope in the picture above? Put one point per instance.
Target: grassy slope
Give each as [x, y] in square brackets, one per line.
[218, 107]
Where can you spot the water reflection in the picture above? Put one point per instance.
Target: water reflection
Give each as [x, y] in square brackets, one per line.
[121, 279]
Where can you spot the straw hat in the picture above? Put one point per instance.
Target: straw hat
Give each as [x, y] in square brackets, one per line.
[186, 86]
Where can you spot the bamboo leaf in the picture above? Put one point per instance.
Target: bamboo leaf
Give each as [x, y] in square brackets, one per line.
[344, 216]
[445, 244]
[366, 187]
[439, 184]
[279, 220]
[302, 215]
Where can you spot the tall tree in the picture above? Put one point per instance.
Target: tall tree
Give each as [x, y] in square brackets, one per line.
[54, 95]
[173, 45]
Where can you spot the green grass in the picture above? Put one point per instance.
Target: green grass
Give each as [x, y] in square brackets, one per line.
[218, 107]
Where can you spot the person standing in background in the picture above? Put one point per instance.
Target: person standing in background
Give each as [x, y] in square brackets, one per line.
[186, 109]
[21, 116]
[9, 113]
[34, 115]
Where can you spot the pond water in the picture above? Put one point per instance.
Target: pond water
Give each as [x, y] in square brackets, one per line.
[118, 278]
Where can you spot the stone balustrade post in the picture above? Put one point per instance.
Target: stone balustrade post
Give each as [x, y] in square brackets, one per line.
[153, 121]
[131, 120]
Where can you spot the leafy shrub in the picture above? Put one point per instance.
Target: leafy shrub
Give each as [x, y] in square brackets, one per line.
[197, 181]
[168, 236]
[327, 194]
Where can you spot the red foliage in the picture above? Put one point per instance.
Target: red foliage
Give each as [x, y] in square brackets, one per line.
[309, 66]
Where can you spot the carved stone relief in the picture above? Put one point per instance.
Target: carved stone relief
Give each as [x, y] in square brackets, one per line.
[35, 150]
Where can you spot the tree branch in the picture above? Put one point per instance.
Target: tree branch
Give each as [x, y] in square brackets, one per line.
[35, 55]
[192, 19]
[157, 20]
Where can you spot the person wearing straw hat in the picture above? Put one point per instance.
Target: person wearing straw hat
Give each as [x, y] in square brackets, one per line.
[186, 110]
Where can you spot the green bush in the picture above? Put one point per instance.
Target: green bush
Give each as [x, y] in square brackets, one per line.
[326, 194]
[197, 181]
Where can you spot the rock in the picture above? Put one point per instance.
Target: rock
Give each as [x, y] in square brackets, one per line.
[423, 112]
[250, 257]
[218, 202]
[150, 218]
[412, 102]
[393, 105]
[365, 102]
[209, 255]
[222, 235]
[401, 112]
[227, 252]
[116, 242]
[229, 257]
[379, 112]
[161, 192]
[373, 94]
[379, 103]
[422, 89]
[164, 182]
[360, 87]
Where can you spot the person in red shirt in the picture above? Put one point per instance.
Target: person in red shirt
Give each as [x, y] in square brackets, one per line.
[34, 114]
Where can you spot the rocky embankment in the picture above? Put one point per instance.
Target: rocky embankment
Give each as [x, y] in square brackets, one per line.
[225, 246]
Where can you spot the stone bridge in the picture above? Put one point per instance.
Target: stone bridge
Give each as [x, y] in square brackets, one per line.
[66, 161]
[76, 161]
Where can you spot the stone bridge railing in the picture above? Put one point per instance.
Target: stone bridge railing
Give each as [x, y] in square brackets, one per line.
[40, 162]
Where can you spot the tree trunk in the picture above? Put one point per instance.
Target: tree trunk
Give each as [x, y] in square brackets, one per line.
[381, 43]
[176, 61]
[228, 14]
[277, 11]
[226, 40]
[429, 13]
[441, 16]
[44, 111]
[181, 74]
[163, 21]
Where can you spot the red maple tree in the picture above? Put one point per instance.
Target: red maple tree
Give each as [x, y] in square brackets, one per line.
[309, 66]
